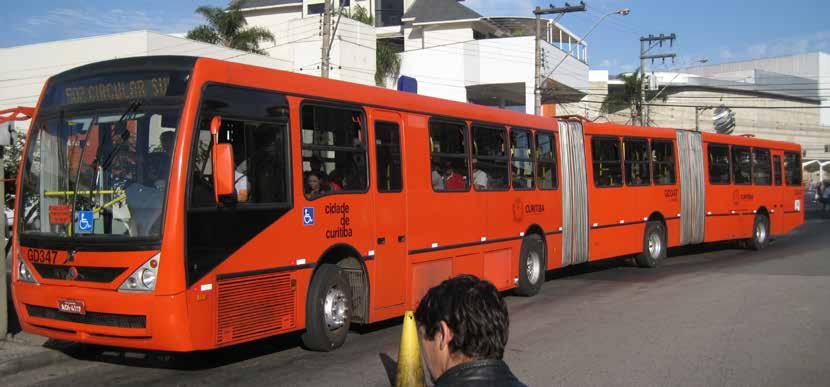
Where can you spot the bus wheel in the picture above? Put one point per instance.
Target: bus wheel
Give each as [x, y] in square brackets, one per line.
[531, 266]
[328, 310]
[654, 245]
[760, 233]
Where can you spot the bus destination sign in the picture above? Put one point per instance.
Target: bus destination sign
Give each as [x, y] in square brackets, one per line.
[117, 90]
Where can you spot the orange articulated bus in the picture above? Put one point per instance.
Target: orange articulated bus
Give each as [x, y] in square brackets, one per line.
[181, 204]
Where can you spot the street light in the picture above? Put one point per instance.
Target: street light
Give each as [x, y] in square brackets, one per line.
[621, 12]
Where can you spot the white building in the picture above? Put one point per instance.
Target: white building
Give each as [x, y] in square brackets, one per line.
[452, 51]
[784, 98]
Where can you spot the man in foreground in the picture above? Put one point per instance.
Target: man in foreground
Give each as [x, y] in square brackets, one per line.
[463, 328]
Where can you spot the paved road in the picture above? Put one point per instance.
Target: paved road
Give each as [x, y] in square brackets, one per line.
[714, 316]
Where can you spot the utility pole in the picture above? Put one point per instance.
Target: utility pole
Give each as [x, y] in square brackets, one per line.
[539, 11]
[647, 43]
[324, 60]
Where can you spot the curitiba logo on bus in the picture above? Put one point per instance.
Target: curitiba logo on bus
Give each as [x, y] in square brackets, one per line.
[345, 225]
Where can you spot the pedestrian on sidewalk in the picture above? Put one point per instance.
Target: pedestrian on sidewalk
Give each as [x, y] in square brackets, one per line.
[463, 328]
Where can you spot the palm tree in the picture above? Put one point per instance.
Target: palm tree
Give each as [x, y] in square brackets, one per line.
[629, 98]
[227, 27]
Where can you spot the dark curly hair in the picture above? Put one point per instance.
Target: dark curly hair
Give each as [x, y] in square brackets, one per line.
[473, 310]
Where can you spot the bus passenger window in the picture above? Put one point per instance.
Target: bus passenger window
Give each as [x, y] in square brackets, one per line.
[637, 171]
[741, 165]
[546, 170]
[388, 154]
[521, 150]
[607, 162]
[255, 123]
[490, 164]
[448, 156]
[792, 168]
[776, 170]
[719, 164]
[663, 160]
[761, 169]
[334, 151]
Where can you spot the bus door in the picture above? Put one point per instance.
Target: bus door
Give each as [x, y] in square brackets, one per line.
[778, 194]
[390, 211]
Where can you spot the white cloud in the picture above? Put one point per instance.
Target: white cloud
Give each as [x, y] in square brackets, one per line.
[89, 22]
[726, 54]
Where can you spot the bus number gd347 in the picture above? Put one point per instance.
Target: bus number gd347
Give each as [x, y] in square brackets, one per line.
[42, 256]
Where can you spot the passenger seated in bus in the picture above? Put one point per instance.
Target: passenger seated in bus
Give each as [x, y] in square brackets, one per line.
[480, 177]
[437, 177]
[317, 167]
[452, 180]
[313, 185]
[144, 198]
[336, 181]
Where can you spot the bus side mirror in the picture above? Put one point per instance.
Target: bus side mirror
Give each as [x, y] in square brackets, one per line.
[223, 167]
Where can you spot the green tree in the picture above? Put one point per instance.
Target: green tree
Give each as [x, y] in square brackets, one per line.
[228, 27]
[362, 15]
[630, 97]
[388, 63]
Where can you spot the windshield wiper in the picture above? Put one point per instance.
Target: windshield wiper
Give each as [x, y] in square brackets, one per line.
[126, 133]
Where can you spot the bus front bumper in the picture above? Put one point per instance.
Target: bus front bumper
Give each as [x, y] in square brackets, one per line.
[111, 318]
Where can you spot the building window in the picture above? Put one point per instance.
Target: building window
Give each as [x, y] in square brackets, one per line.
[546, 171]
[719, 172]
[521, 151]
[316, 9]
[607, 162]
[490, 164]
[665, 171]
[388, 155]
[761, 168]
[792, 168]
[637, 165]
[448, 156]
[334, 151]
[827, 149]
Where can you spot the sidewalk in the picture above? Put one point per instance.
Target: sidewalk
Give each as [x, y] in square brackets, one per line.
[23, 352]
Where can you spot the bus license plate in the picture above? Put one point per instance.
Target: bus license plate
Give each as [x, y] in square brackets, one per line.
[71, 306]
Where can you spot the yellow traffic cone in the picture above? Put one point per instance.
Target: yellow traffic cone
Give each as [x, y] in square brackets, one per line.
[410, 371]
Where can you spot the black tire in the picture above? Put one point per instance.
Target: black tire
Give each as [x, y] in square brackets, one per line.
[532, 266]
[760, 233]
[654, 246]
[320, 334]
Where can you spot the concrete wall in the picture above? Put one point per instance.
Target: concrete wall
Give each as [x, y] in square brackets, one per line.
[484, 62]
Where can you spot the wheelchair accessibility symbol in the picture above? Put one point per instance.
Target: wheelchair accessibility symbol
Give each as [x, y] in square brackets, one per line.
[86, 221]
[308, 216]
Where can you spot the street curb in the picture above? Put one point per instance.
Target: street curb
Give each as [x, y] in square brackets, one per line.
[46, 357]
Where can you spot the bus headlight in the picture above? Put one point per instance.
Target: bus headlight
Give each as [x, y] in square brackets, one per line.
[23, 272]
[148, 278]
[142, 279]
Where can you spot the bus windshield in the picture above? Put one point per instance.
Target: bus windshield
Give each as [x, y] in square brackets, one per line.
[98, 173]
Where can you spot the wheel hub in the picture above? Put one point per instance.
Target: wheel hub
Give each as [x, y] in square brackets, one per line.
[534, 265]
[655, 245]
[335, 308]
[760, 233]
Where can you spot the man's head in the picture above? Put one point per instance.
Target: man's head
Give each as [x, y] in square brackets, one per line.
[460, 320]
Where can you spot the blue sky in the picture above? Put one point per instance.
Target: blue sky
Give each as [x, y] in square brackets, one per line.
[722, 31]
